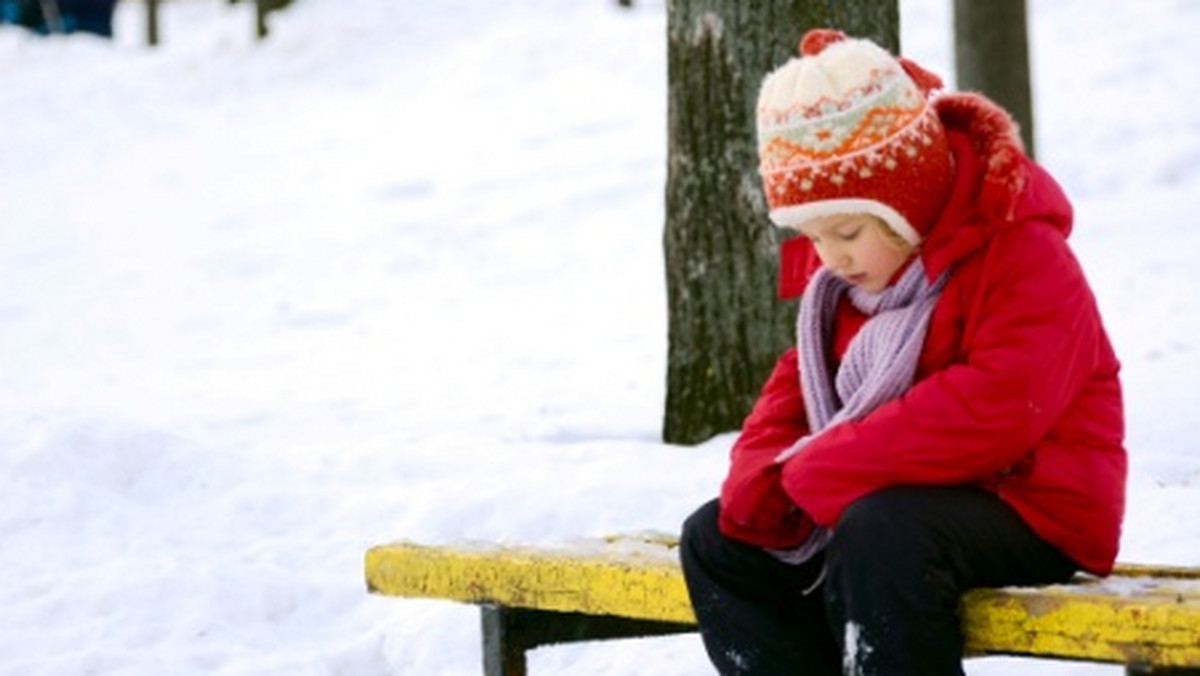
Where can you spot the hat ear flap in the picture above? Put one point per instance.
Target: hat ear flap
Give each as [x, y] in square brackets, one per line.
[797, 262]
[926, 80]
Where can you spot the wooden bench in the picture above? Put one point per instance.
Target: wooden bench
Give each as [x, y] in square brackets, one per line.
[1147, 618]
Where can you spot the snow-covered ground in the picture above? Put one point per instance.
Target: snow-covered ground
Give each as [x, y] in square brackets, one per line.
[396, 273]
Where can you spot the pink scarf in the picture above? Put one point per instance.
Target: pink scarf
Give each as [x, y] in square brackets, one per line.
[879, 364]
[880, 361]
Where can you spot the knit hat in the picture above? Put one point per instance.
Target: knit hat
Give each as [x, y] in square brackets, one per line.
[848, 128]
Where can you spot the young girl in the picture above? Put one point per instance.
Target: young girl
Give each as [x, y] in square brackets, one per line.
[951, 417]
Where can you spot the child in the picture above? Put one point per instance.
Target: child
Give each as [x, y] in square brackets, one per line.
[951, 417]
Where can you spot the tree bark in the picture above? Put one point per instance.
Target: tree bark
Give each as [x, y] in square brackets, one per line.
[725, 326]
[991, 56]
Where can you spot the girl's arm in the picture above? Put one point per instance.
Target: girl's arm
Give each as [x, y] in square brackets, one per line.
[1037, 341]
[754, 506]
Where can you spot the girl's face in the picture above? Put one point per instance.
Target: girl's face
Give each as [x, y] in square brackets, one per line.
[857, 248]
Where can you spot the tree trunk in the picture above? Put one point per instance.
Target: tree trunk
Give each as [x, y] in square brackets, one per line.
[991, 56]
[726, 327]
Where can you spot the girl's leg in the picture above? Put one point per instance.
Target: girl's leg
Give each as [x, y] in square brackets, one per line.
[901, 558]
[753, 615]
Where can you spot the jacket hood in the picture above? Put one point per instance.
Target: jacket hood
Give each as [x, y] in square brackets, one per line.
[995, 186]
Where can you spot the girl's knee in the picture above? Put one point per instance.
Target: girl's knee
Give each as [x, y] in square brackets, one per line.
[700, 531]
[701, 524]
[876, 532]
[868, 518]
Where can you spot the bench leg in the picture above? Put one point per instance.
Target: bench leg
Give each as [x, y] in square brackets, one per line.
[509, 632]
[1144, 670]
[503, 649]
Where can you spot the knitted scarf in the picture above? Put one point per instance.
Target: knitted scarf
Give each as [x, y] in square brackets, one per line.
[879, 364]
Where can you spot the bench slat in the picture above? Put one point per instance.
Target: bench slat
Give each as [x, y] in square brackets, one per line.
[1157, 624]
[646, 586]
[1140, 615]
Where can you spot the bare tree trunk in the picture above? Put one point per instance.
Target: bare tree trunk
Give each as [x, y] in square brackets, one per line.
[991, 56]
[152, 22]
[726, 327]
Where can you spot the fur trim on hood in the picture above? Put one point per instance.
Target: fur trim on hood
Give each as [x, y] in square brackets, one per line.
[996, 140]
[997, 185]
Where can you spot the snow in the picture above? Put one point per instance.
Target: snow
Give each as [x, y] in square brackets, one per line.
[856, 646]
[396, 273]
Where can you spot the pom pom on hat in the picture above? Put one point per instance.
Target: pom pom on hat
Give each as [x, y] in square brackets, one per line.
[848, 128]
[817, 39]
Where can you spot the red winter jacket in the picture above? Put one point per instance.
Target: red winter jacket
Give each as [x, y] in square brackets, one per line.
[1016, 388]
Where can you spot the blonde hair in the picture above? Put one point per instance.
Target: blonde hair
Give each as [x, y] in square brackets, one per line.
[893, 238]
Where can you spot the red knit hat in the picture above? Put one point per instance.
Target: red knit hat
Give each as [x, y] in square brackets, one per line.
[848, 128]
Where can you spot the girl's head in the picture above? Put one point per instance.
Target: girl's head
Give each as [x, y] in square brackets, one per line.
[846, 128]
[860, 248]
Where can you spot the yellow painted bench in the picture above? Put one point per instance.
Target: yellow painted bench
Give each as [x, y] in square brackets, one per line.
[1147, 618]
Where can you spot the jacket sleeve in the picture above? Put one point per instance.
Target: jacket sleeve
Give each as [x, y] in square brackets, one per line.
[1030, 344]
[754, 507]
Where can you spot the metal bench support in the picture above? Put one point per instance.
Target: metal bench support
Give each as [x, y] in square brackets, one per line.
[509, 632]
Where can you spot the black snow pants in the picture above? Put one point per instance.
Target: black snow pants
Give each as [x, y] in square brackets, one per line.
[893, 573]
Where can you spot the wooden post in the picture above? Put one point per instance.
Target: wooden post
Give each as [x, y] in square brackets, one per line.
[152, 22]
[260, 18]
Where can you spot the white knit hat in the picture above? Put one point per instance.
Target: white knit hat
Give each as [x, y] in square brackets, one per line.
[848, 128]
